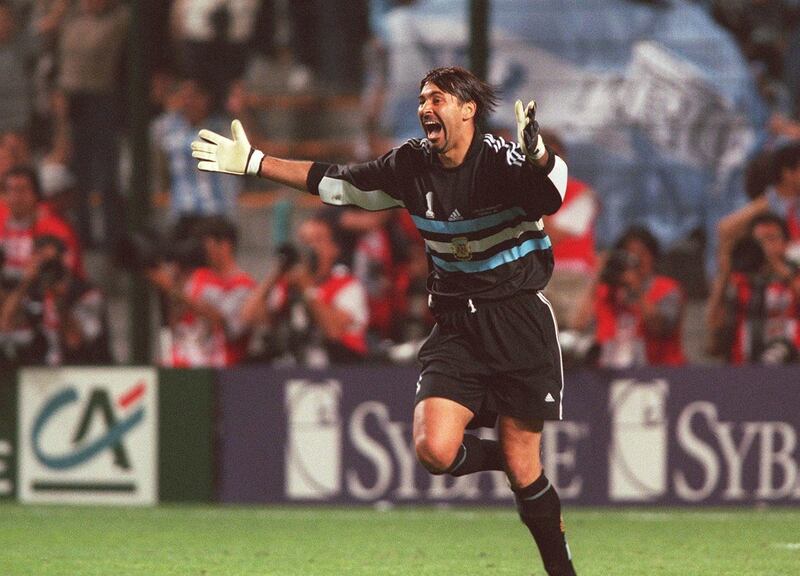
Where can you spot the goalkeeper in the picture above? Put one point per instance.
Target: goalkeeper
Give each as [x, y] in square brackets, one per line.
[493, 357]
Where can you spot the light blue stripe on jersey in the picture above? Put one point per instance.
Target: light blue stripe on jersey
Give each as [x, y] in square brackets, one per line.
[504, 257]
[465, 226]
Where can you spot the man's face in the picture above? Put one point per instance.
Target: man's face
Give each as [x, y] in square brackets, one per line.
[17, 146]
[790, 177]
[444, 118]
[770, 236]
[216, 250]
[317, 236]
[196, 102]
[20, 196]
[646, 263]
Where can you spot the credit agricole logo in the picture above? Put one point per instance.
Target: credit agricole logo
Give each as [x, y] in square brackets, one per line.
[88, 438]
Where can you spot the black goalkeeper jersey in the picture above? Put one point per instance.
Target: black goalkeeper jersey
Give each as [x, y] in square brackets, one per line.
[481, 221]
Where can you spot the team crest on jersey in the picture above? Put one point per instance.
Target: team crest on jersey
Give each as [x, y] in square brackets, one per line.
[460, 247]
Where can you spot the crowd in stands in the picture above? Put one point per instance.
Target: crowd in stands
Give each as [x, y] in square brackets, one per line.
[346, 286]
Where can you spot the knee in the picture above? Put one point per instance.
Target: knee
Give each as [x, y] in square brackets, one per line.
[522, 470]
[436, 454]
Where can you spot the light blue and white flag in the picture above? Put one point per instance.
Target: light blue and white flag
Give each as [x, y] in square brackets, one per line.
[654, 101]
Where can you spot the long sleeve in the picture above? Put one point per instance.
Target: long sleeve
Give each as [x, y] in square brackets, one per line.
[370, 185]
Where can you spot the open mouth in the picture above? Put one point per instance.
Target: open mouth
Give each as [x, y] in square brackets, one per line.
[433, 128]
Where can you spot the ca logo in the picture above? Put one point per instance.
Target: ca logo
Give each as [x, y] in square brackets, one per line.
[98, 405]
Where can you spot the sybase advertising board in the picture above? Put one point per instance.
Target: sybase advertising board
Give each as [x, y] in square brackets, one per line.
[693, 436]
[88, 435]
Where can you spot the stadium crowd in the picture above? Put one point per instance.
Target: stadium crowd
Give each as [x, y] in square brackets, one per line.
[346, 286]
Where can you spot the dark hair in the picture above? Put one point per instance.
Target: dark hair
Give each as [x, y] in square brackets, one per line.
[770, 218]
[747, 256]
[217, 227]
[45, 240]
[25, 172]
[465, 86]
[644, 236]
[759, 174]
[786, 157]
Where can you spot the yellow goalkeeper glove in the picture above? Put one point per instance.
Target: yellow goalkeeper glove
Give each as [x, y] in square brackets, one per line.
[220, 154]
[528, 130]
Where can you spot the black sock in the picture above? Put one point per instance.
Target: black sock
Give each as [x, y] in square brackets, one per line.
[476, 455]
[540, 510]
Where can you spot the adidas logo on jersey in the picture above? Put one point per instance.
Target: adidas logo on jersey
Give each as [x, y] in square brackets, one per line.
[456, 215]
[549, 398]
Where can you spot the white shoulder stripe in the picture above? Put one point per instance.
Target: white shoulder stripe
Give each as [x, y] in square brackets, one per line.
[558, 176]
[514, 155]
[343, 193]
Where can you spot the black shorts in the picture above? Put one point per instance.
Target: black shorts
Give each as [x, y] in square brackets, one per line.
[495, 358]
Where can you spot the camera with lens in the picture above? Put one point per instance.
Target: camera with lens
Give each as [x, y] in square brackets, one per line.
[618, 262]
[51, 272]
[287, 256]
[747, 256]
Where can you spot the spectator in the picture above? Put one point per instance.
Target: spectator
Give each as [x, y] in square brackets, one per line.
[205, 313]
[782, 198]
[571, 230]
[45, 20]
[638, 314]
[277, 315]
[412, 318]
[6, 160]
[58, 189]
[752, 317]
[368, 246]
[335, 299]
[762, 29]
[53, 317]
[194, 195]
[213, 38]
[24, 219]
[91, 49]
[17, 147]
[17, 53]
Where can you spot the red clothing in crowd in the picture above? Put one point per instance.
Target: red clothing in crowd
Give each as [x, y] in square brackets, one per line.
[577, 216]
[17, 241]
[374, 265]
[196, 341]
[758, 323]
[622, 334]
[342, 290]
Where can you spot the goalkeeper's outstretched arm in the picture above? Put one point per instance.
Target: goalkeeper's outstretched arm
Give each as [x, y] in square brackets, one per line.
[235, 155]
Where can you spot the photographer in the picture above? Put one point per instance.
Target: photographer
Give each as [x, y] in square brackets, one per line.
[276, 314]
[752, 312]
[317, 298]
[23, 218]
[204, 321]
[54, 317]
[638, 314]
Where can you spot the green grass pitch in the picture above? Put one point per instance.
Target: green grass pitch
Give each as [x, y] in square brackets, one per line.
[230, 541]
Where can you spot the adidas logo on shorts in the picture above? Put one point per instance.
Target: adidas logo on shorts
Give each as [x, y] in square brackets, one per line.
[456, 215]
[549, 398]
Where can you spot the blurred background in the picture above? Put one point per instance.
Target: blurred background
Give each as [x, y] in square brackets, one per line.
[669, 114]
[677, 248]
